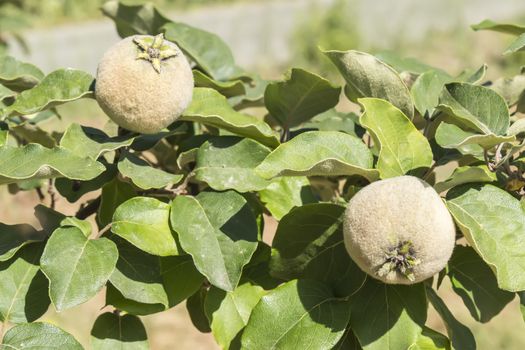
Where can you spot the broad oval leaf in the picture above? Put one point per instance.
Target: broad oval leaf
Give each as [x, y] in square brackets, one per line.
[219, 231]
[229, 162]
[324, 153]
[60, 86]
[134, 19]
[475, 107]
[34, 161]
[114, 193]
[467, 142]
[493, 222]
[17, 75]
[112, 331]
[41, 336]
[119, 302]
[367, 76]
[426, 90]
[144, 222]
[14, 237]
[85, 141]
[300, 97]
[402, 148]
[466, 174]
[21, 291]
[229, 312]
[143, 175]
[476, 284]
[77, 267]
[303, 313]
[460, 336]
[211, 108]
[208, 50]
[286, 192]
[137, 275]
[302, 234]
[226, 88]
[180, 278]
[397, 313]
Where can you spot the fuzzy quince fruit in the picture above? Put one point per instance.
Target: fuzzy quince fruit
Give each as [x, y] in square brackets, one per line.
[399, 230]
[144, 83]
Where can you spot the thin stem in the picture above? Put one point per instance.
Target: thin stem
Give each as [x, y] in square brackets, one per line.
[51, 190]
[104, 230]
[89, 209]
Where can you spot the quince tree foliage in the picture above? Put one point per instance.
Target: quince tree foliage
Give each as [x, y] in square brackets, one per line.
[180, 198]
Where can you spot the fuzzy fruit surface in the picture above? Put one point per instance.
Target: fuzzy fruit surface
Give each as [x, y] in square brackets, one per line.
[399, 230]
[137, 97]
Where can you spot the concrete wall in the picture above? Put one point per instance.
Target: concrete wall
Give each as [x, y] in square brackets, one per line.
[259, 33]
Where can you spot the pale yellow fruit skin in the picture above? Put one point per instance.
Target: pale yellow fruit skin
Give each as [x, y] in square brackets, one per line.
[395, 210]
[134, 95]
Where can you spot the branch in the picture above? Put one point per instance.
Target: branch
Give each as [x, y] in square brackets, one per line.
[89, 209]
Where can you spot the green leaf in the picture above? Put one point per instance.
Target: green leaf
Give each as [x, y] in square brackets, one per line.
[73, 190]
[34, 161]
[219, 231]
[331, 120]
[229, 162]
[386, 316]
[286, 192]
[85, 141]
[467, 142]
[517, 127]
[144, 175]
[137, 275]
[475, 107]
[77, 267]
[34, 134]
[209, 51]
[195, 307]
[180, 278]
[429, 339]
[17, 75]
[229, 312]
[453, 137]
[300, 97]
[493, 223]
[367, 76]
[22, 296]
[41, 336]
[117, 300]
[226, 88]
[473, 76]
[144, 222]
[14, 237]
[303, 314]
[516, 45]
[303, 234]
[4, 135]
[426, 90]
[466, 174]
[211, 108]
[348, 342]
[460, 336]
[323, 153]
[475, 283]
[402, 148]
[59, 87]
[134, 19]
[254, 96]
[510, 88]
[506, 28]
[114, 193]
[112, 331]
[404, 64]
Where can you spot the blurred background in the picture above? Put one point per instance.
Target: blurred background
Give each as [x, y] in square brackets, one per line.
[267, 37]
